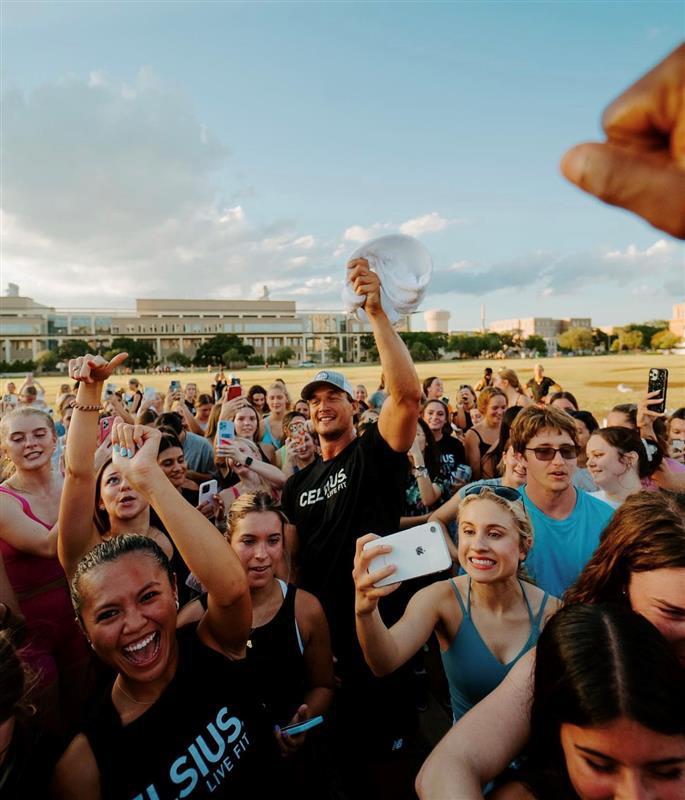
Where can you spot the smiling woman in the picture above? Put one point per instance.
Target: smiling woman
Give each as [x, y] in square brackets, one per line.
[485, 620]
[29, 502]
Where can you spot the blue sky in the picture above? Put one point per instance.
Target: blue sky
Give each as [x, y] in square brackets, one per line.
[204, 149]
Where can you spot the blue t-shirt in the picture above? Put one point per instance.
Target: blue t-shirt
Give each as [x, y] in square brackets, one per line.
[562, 547]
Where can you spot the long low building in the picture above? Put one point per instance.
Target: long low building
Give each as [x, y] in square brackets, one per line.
[547, 327]
[180, 326]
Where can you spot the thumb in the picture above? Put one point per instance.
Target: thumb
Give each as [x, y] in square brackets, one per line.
[118, 359]
[639, 182]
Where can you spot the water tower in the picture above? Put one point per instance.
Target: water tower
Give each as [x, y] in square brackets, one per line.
[437, 321]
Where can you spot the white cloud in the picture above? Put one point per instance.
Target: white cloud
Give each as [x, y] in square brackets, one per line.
[428, 223]
[112, 191]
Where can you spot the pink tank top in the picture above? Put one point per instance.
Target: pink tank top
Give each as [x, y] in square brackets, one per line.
[25, 571]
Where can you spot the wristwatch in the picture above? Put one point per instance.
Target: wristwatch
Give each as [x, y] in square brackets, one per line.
[248, 461]
[420, 471]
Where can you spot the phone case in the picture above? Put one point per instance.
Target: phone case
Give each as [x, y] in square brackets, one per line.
[658, 380]
[415, 552]
[226, 431]
[301, 727]
[207, 489]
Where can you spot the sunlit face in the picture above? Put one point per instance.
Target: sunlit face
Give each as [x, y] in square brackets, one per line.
[500, 382]
[276, 399]
[623, 760]
[259, 400]
[582, 433]
[331, 412]
[258, 543]
[190, 392]
[497, 405]
[173, 465]
[27, 398]
[11, 388]
[117, 497]
[435, 415]
[129, 615]
[606, 464]
[619, 419]
[514, 470]
[245, 422]
[554, 475]
[563, 403]
[203, 412]
[67, 414]
[489, 542]
[28, 441]
[676, 429]
[466, 398]
[420, 439]
[360, 393]
[435, 390]
[302, 407]
[659, 595]
[539, 372]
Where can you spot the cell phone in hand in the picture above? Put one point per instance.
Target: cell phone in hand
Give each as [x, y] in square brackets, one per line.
[415, 552]
[110, 389]
[207, 490]
[149, 393]
[225, 431]
[175, 386]
[301, 727]
[658, 381]
[105, 428]
[235, 389]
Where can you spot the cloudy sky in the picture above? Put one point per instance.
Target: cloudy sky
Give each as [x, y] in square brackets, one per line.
[206, 149]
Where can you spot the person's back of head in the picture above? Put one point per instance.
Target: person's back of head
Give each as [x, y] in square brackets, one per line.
[170, 419]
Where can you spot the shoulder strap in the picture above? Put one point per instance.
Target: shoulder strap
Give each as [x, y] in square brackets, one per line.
[458, 596]
[538, 618]
[525, 599]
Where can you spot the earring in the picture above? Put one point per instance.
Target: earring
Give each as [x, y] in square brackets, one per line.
[178, 605]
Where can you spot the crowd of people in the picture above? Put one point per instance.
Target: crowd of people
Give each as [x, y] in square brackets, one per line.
[187, 608]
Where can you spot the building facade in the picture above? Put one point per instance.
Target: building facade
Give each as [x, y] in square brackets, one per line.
[677, 323]
[180, 326]
[550, 329]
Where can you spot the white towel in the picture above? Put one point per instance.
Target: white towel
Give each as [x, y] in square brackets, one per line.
[404, 267]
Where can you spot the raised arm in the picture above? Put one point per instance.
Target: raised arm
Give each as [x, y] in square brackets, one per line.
[226, 625]
[77, 533]
[461, 765]
[22, 532]
[387, 649]
[397, 422]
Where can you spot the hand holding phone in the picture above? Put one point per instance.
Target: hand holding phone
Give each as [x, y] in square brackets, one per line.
[658, 383]
[291, 736]
[414, 552]
[206, 491]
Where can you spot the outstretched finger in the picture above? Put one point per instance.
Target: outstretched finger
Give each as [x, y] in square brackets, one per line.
[117, 360]
[639, 182]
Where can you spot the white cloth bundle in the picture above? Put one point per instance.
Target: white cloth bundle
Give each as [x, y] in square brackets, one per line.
[404, 267]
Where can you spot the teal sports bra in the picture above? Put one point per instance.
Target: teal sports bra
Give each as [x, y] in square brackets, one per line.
[268, 437]
[472, 670]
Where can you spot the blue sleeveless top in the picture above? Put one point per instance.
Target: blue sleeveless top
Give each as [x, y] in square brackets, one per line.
[268, 437]
[472, 670]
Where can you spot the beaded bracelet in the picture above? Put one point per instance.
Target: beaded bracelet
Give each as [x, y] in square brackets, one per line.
[84, 407]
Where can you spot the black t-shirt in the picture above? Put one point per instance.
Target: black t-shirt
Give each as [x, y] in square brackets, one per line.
[541, 389]
[206, 736]
[452, 454]
[333, 503]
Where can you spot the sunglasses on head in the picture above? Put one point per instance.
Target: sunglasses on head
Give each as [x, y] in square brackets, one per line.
[568, 452]
[501, 491]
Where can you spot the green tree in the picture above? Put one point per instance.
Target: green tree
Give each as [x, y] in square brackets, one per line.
[212, 351]
[576, 339]
[335, 354]
[368, 346]
[419, 351]
[73, 348]
[627, 340]
[232, 356]
[664, 340]
[141, 353]
[536, 343]
[181, 359]
[283, 355]
[47, 360]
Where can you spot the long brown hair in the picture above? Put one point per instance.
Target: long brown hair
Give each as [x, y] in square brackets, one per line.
[646, 533]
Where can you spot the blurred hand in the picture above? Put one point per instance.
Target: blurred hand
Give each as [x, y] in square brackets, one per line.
[641, 166]
[94, 369]
[290, 744]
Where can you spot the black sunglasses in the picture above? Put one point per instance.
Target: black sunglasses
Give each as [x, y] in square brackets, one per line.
[568, 452]
[512, 495]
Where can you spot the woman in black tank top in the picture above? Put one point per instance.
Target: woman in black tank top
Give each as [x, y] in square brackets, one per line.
[289, 632]
[481, 441]
[182, 717]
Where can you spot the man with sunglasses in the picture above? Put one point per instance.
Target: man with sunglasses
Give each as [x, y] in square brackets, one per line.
[567, 522]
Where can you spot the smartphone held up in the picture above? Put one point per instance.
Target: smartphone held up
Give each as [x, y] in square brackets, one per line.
[417, 551]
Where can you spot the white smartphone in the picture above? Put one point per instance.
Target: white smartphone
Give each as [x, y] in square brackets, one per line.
[149, 393]
[207, 490]
[417, 551]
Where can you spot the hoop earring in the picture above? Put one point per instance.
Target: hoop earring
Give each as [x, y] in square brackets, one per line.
[178, 605]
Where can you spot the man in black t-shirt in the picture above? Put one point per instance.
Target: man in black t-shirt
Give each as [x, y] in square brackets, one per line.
[539, 385]
[357, 488]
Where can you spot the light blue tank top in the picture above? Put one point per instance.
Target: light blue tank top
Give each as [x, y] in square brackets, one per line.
[472, 670]
[268, 437]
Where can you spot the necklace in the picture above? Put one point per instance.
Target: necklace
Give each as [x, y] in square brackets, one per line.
[133, 699]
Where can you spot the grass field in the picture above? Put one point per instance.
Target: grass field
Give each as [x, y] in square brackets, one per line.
[593, 379]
